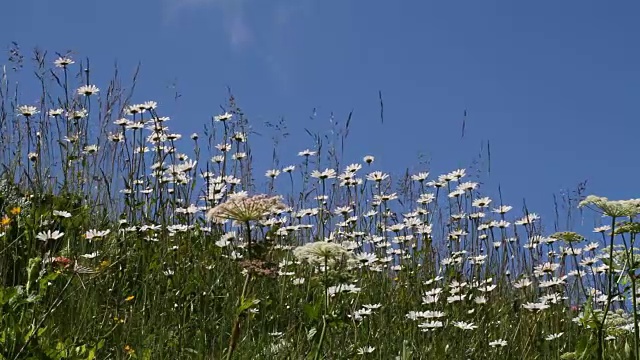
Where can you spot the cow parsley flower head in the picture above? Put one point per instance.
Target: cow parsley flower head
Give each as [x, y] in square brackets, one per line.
[320, 251]
[244, 208]
[613, 208]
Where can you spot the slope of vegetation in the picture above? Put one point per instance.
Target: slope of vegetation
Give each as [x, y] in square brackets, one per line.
[116, 244]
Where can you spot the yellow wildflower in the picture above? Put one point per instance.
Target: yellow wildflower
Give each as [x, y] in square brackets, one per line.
[129, 350]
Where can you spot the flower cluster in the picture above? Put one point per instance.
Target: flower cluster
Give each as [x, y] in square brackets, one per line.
[243, 208]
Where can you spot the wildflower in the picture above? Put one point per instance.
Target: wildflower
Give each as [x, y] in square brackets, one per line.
[27, 110]
[602, 229]
[48, 235]
[320, 251]
[502, 209]
[92, 255]
[498, 343]
[522, 283]
[568, 236]
[457, 174]
[223, 117]
[353, 168]
[535, 306]
[420, 177]
[129, 298]
[553, 336]
[223, 147]
[56, 112]
[528, 219]
[365, 350]
[377, 176]
[89, 235]
[430, 325]
[464, 325]
[289, 168]
[368, 159]
[272, 173]
[15, 210]
[91, 149]
[343, 288]
[78, 114]
[88, 90]
[372, 306]
[243, 208]
[481, 202]
[613, 208]
[150, 105]
[426, 198]
[63, 62]
[306, 153]
[236, 156]
[467, 186]
[326, 174]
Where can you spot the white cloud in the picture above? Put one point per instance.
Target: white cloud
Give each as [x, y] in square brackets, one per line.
[234, 17]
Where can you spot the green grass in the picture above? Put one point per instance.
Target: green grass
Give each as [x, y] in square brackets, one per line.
[137, 270]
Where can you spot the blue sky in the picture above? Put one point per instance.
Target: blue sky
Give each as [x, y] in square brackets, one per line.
[551, 85]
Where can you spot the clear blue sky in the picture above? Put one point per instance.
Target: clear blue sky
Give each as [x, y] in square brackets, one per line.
[553, 85]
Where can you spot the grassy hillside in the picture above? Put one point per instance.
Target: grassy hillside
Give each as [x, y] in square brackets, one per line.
[116, 244]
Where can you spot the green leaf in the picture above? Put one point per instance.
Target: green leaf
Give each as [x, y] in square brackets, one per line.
[6, 294]
[312, 311]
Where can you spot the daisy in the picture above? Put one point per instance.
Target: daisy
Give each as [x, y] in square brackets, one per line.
[467, 186]
[56, 112]
[91, 234]
[553, 336]
[365, 350]
[458, 174]
[481, 202]
[602, 229]
[223, 117]
[464, 325]
[377, 176]
[48, 235]
[498, 343]
[420, 177]
[63, 62]
[535, 306]
[353, 168]
[272, 173]
[88, 90]
[306, 153]
[502, 209]
[326, 174]
[430, 325]
[63, 214]
[27, 110]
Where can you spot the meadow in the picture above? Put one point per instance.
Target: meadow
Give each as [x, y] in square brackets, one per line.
[120, 239]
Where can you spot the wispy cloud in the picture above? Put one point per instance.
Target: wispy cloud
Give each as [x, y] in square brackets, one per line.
[260, 27]
[233, 14]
